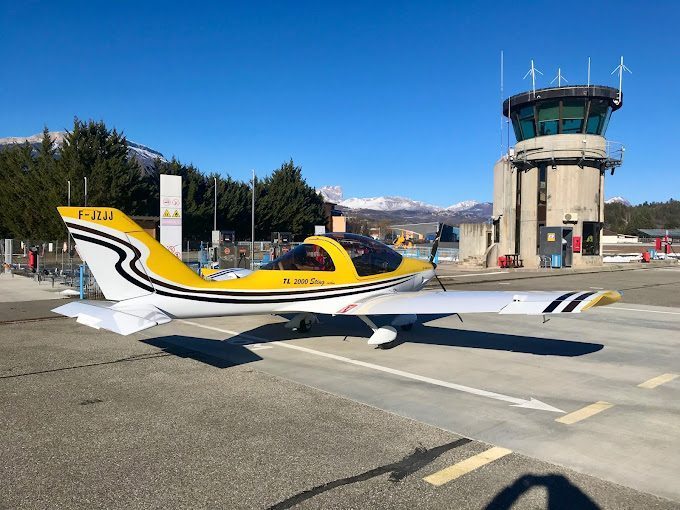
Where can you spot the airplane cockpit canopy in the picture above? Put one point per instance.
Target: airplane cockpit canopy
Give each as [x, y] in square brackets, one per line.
[305, 257]
[369, 256]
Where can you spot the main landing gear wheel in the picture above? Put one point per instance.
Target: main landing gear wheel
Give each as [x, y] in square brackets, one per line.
[305, 325]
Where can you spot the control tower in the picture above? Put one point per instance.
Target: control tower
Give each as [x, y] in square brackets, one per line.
[554, 177]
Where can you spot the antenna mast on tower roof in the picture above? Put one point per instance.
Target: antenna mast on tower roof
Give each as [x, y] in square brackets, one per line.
[532, 71]
[620, 68]
[559, 77]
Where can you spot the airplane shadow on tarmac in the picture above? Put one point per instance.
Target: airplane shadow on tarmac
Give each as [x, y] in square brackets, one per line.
[216, 353]
[434, 335]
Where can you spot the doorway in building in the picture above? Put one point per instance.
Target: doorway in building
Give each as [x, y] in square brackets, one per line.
[567, 253]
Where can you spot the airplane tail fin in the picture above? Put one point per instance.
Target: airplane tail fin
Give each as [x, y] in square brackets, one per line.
[125, 260]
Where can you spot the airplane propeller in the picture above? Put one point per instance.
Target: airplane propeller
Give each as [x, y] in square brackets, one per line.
[433, 254]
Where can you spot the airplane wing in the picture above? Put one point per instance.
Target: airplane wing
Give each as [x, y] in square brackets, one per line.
[503, 302]
[113, 316]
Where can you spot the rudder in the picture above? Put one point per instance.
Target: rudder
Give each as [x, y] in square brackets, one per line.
[118, 252]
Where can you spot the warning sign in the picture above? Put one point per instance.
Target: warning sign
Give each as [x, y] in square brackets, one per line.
[176, 214]
[166, 214]
[551, 237]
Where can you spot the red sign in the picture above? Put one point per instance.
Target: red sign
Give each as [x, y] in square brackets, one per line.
[576, 244]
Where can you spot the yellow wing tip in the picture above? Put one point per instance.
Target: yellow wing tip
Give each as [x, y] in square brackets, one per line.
[606, 298]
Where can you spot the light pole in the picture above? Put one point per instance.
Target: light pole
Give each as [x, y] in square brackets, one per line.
[68, 234]
[85, 204]
[252, 233]
[215, 211]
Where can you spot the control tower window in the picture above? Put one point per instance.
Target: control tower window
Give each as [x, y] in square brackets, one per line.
[548, 118]
[573, 111]
[591, 238]
[368, 256]
[527, 122]
[598, 118]
[306, 257]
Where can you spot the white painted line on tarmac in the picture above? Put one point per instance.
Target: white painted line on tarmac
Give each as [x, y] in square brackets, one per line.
[466, 466]
[658, 381]
[612, 308]
[473, 274]
[516, 402]
[530, 403]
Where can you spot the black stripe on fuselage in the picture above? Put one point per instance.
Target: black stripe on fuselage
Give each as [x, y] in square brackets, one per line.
[576, 301]
[289, 297]
[119, 264]
[551, 307]
[220, 292]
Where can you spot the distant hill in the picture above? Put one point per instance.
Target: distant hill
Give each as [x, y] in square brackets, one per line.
[144, 155]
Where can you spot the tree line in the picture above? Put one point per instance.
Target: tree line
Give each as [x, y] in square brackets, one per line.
[33, 182]
[628, 219]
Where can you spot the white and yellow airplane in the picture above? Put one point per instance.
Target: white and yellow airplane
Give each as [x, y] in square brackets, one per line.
[336, 274]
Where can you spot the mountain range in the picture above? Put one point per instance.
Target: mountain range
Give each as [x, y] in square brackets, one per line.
[144, 155]
[398, 210]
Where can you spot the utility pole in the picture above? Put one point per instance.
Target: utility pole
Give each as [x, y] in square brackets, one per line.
[215, 212]
[252, 233]
[85, 191]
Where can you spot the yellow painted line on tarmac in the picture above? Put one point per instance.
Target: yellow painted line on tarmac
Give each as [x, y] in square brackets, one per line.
[466, 466]
[658, 381]
[585, 412]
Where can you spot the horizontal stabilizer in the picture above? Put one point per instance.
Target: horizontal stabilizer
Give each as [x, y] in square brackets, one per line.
[113, 316]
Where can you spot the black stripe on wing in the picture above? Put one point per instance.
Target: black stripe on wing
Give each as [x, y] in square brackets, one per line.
[551, 307]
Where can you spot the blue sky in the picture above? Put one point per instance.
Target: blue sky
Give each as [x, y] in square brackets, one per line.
[382, 98]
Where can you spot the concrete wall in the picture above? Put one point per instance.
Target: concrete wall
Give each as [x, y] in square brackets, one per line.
[571, 189]
[473, 243]
[504, 189]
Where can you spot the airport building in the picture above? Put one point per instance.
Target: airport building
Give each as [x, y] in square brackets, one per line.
[549, 190]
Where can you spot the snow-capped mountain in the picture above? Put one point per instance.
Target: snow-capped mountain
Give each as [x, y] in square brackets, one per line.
[399, 209]
[143, 154]
[617, 200]
[461, 206]
[331, 194]
[388, 204]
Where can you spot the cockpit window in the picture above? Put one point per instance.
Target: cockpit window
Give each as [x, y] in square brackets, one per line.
[368, 256]
[306, 257]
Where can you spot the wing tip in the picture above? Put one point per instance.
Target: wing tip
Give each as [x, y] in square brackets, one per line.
[605, 298]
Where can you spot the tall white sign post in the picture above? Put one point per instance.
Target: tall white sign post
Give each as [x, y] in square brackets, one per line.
[171, 213]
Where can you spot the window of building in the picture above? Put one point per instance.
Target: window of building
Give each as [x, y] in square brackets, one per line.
[541, 200]
[497, 230]
[591, 238]
[573, 112]
[598, 117]
[369, 256]
[306, 257]
[527, 122]
[548, 118]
